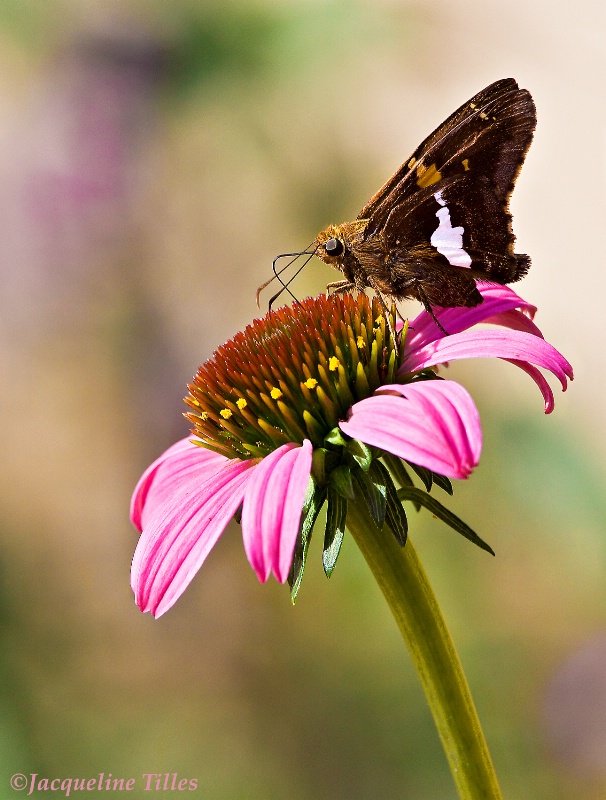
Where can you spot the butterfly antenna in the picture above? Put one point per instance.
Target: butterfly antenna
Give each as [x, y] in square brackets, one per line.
[277, 273]
[287, 284]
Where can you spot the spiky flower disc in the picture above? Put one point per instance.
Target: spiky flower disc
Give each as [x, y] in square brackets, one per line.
[292, 375]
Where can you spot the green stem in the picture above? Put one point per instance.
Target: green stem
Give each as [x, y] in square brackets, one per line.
[415, 608]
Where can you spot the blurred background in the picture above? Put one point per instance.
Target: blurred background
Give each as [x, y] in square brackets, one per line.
[154, 157]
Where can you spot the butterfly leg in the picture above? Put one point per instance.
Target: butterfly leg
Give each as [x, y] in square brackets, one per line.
[340, 287]
[399, 315]
[377, 291]
[427, 306]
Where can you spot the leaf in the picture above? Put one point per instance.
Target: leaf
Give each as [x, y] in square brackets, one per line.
[398, 471]
[323, 461]
[424, 474]
[395, 516]
[362, 454]
[335, 529]
[318, 464]
[340, 479]
[374, 491]
[314, 500]
[335, 437]
[436, 508]
[443, 482]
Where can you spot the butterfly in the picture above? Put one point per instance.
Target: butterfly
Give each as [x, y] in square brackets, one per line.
[442, 221]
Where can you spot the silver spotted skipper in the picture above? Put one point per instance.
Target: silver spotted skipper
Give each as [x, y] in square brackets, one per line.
[442, 222]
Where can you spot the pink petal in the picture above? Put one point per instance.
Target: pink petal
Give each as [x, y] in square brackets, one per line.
[513, 345]
[515, 320]
[177, 539]
[497, 299]
[271, 513]
[165, 475]
[436, 426]
[540, 381]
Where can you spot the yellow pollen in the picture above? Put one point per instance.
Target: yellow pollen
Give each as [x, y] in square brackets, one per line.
[241, 403]
[276, 393]
[380, 320]
[204, 415]
[360, 342]
[311, 383]
[333, 363]
[225, 413]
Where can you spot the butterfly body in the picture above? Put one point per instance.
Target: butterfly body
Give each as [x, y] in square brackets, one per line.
[442, 221]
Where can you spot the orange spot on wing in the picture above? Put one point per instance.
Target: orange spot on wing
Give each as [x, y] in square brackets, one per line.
[426, 176]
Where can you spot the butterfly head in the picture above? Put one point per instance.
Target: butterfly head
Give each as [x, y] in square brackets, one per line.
[335, 242]
[330, 245]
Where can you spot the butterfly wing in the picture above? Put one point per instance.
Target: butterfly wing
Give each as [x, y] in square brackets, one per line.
[464, 171]
[460, 223]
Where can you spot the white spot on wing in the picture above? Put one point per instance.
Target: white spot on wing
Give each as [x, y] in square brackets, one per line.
[448, 240]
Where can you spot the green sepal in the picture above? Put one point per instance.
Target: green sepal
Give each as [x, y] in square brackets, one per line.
[374, 491]
[443, 482]
[361, 453]
[436, 508]
[314, 500]
[335, 437]
[323, 461]
[318, 465]
[426, 475]
[397, 469]
[314, 428]
[395, 516]
[429, 478]
[336, 515]
[340, 479]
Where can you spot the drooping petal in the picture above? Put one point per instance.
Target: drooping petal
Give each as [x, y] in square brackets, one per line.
[540, 381]
[496, 300]
[271, 512]
[166, 474]
[516, 321]
[177, 539]
[516, 346]
[434, 424]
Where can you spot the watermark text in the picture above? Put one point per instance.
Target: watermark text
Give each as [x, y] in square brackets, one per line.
[66, 786]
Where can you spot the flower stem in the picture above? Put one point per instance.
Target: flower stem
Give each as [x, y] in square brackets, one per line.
[406, 588]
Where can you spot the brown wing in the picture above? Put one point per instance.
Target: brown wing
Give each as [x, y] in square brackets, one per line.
[486, 137]
[474, 233]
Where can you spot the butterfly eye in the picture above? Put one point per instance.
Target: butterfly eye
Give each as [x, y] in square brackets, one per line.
[334, 247]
